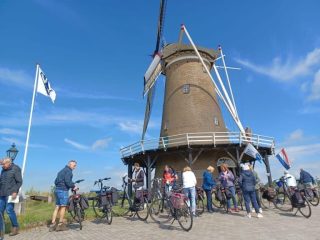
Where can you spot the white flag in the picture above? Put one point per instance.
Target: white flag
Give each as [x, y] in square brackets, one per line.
[44, 86]
[252, 152]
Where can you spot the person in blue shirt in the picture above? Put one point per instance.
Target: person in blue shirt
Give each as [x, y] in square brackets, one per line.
[306, 179]
[208, 184]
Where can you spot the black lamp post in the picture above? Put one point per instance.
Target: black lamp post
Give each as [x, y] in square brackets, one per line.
[12, 152]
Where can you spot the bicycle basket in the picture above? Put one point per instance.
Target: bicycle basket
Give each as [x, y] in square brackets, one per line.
[177, 200]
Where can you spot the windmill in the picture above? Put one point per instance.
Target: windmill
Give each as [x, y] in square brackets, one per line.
[192, 131]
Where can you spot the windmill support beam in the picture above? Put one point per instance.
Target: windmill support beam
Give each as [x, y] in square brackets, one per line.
[130, 176]
[267, 163]
[149, 163]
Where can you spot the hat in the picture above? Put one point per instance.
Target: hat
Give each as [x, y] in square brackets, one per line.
[245, 167]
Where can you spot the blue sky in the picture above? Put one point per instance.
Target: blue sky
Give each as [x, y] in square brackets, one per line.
[95, 56]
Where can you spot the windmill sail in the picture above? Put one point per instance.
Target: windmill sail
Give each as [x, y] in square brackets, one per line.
[152, 73]
[147, 114]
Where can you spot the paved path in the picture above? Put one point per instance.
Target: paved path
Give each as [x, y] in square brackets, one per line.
[274, 225]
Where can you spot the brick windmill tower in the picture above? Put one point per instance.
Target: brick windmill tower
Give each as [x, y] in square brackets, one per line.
[193, 131]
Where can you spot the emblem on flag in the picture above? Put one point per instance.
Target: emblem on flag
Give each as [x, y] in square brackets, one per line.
[283, 159]
[44, 86]
[252, 152]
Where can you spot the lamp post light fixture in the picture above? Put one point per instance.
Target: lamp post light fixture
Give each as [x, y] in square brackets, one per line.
[12, 152]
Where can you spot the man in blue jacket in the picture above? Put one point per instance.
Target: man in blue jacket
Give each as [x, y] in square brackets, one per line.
[62, 183]
[306, 179]
[208, 184]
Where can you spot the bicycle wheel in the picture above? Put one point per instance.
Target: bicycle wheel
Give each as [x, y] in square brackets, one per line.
[184, 217]
[159, 211]
[199, 205]
[108, 213]
[283, 202]
[312, 197]
[97, 207]
[78, 215]
[123, 207]
[306, 211]
[215, 202]
[266, 204]
[143, 210]
[2, 227]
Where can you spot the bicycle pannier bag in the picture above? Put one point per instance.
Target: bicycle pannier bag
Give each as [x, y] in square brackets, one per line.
[70, 205]
[297, 200]
[219, 195]
[177, 200]
[115, 196]
[84, 202]
[104, 198]
[269, 194]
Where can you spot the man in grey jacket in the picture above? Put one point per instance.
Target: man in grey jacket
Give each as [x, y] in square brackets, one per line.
[10, 183]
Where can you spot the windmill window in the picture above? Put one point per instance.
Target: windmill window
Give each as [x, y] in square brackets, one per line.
[216, 121]
[186, 88]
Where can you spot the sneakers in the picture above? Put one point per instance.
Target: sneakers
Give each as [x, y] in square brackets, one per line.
[61, 227]
[248, 215]
[260, 210]
[253, 210]
[259, 215]
[14, 231]
[52, 227]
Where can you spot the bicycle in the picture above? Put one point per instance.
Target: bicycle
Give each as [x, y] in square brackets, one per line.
[102, 203]
[139, 207]
[173, 206]
[283, 200]
[219, 199]
[199, 201]
[312, 195]
[77, 205]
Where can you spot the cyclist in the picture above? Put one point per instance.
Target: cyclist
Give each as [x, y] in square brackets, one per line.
[138, 182]
[290, 179]
[247, 182]
[226, 178]
[63, 183]
[189, 187]
[208, 184]
[169, 178]
[306, 179]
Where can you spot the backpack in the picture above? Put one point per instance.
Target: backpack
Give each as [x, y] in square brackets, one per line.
[297, 200]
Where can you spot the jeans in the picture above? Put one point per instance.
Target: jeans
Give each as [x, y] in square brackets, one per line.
[250, 196]
[209, 200]
[234, 200]
[191, 194]
[9, 207]
[257, 191]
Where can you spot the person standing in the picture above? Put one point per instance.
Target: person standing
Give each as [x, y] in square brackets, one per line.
[169, 178]
[208, 184]
[10, 183]
[138, 182]
[189, 187]
[247, 182]
[63, 183]
[226, 178]
[257, 187]
[306, 179]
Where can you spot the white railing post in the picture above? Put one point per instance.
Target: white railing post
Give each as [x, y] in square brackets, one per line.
[131, 150]
[163, 143]
[240, 140]
[188, 140]
[214, 139]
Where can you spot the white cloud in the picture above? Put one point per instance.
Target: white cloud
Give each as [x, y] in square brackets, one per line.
[296, 135]
[97, 145]
[10, 131]
[14, 77]
[286, 70]
[315, 88]
[76, 144]
[131, 126]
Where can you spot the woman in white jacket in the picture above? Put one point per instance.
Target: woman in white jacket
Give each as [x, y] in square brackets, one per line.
[189, 187]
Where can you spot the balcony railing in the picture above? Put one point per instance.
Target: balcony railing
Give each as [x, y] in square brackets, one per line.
[193, 139]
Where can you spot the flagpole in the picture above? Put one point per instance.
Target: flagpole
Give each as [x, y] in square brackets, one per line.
[30, 122]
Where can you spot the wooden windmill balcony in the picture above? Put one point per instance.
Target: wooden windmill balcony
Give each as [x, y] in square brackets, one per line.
[190, 140]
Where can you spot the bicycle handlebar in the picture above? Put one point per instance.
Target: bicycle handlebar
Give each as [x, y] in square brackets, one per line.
[79, 181]
[101, 180]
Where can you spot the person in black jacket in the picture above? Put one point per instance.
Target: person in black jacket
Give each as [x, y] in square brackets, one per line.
[10, 183]
[247, 182]
[138, 182]
[62, 183]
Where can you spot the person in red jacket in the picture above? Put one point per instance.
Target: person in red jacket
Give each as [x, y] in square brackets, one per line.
[169, 178]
